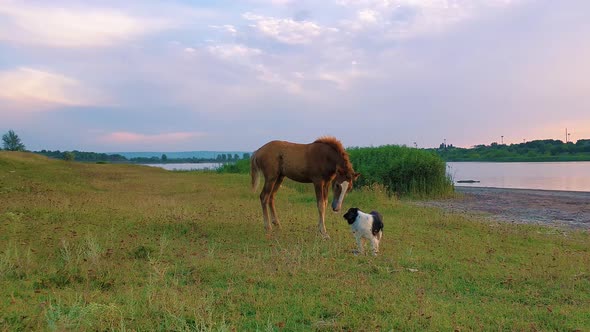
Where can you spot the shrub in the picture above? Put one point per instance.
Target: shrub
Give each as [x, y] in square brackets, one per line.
[69, 156]
[402, 170]
[241, 166]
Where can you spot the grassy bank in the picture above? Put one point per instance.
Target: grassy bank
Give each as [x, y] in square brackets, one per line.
[98, 247]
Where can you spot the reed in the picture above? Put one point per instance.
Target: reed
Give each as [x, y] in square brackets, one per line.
[403, 171]
[241, 166]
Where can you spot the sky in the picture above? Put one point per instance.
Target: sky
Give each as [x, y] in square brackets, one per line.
[185, 75]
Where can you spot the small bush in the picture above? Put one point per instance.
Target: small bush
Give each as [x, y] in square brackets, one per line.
[69, 156]
[241, 166]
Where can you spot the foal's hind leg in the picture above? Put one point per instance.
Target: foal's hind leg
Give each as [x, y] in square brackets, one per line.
[273, 212]
[265, 199]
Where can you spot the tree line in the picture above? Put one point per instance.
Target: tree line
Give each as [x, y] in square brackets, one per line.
[220, 158]
[537, 150]
[117, 158]
[12, 142]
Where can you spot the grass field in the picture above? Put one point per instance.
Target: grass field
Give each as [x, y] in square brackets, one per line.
[123, 247]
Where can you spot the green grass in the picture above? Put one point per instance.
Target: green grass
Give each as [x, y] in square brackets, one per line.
[124, 247]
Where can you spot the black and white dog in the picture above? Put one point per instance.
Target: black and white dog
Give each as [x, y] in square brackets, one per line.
[365, 226]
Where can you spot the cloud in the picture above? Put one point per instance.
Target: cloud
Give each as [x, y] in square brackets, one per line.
[281, 2]
[252, 63]
[71, 27]
[274, 2]
[286, 30]
[402, 19]
[233, 51]
[368, 16]
[403, 70]
[225, 28]
[34, 89]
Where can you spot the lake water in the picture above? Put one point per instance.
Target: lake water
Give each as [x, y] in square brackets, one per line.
[186, 166]
[572, 176]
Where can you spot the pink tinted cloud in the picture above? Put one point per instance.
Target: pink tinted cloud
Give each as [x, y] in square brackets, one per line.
[70, 27]
[31, 89]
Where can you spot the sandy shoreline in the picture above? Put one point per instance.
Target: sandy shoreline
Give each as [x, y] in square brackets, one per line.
[544, 207]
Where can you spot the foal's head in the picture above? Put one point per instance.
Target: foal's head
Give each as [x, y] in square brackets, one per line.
[341, 185]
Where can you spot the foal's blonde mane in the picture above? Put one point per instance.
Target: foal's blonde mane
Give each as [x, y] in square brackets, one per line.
[336, 145]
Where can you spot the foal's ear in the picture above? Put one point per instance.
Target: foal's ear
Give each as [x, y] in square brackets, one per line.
[355, 176]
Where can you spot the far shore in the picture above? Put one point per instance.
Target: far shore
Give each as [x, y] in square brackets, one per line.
[570, 209]
[548, 192]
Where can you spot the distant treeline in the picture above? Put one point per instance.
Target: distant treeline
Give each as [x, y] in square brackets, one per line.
[538, 150]
[82, 156]
[117, 158]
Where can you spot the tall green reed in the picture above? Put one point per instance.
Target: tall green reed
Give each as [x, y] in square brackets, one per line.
[402, 170]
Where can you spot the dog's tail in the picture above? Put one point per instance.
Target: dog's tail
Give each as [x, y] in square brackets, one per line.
[254, 171]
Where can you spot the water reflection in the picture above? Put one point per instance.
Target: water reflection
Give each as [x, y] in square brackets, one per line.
[572, 176]
[186, 166]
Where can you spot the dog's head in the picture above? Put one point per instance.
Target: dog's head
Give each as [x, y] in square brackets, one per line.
[351, 215]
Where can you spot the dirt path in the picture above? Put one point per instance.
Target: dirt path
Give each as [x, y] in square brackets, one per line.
[545, 207]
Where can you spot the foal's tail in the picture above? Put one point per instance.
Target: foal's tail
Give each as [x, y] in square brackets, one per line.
[254, 171]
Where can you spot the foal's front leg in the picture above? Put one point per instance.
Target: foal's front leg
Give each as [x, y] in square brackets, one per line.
[322, 201]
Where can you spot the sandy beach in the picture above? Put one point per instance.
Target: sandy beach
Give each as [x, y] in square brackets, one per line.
[569, 209]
